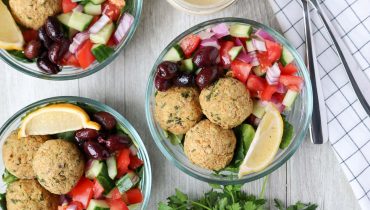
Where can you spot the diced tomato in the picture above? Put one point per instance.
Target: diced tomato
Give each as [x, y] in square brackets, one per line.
[224, 53]
[111, 10]
[291, 81]
[68, 5]
[241, 70]
[29, 35]
[135, 162]
[70, 60]
[133, 196]
[83, 191]
[263, 60]
[289, 69]
[277, 97]
[111, 42]
[98, 189]
[274, 51]
[119, 3]
[268, 92]
[115, 194]
[84, 55]
[74, 205]
[255, 83]
[189, 44]
[117, 204]
[123, 161]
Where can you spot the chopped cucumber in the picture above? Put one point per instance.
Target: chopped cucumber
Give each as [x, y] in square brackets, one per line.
[250, 46]
[98, 205]
[64, 18]
[289, 98]
[127, 182]
[106, 182]
[103, 35]
[174, 54]
[101, 52]
[98, 170]
[287, 135]
[241, 30]
[112, 167]
[286, 57]
[92, 9]
[79, 21]
[95, 169]
[259, 71]
[187, 65]
[258, 109]
[235, 52]
[97, 1]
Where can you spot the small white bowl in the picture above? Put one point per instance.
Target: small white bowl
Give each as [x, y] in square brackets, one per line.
[204, 8]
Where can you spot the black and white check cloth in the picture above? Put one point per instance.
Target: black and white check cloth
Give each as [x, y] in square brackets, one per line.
[349, 125]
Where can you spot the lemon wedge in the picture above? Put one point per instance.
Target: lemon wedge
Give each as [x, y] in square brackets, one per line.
[265, 143]
[56, 118]
[11, 37]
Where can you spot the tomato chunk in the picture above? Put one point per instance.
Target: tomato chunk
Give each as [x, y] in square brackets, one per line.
[268, 92]
[289, 69]
[291, 81]
[117, 204]
[111, 10]
[83, 191]
[224, 53]
[241, 70]
[123, 162]
[70, 60]
[115, 194]
[256, 83]
[74, 205]
[98, 189]
[274, 51]
[84, 55]
[29, 35]
[135, 162]
[133, 196]
[189, 44]
[68, 5]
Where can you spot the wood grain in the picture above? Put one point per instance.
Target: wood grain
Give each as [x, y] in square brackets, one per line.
[312, 174]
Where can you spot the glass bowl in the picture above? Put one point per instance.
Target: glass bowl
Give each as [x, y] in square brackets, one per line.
[199, 8]
[69, 73]
[299, 116]
[14, 122]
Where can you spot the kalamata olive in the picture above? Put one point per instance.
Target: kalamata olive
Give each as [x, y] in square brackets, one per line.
[32, 49]
[162, 84]
[86, 134]
[54, 29]
[47, 66]
[53, 53]
[116, 142]
[44, 38]
[64, 47]
[95, 151]
[206, 76]
[184, 80]
[205, 56]
[167, 70]
[106, 120]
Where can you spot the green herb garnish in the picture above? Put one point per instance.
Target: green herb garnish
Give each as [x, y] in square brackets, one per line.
[19, 55]
[8, 178]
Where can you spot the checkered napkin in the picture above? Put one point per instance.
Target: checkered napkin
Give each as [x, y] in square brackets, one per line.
[349, 125]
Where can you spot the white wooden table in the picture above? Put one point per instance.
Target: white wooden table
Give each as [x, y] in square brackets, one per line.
[312, 174]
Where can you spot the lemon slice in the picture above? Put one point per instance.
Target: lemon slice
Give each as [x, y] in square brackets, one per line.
[11, 37]
[265, 143]
[56, 118]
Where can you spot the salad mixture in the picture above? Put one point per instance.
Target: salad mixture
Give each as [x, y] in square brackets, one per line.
[221, 95]
[59, 159]
[57, 33]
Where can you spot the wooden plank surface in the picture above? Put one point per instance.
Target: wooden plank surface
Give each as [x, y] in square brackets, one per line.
[312, 174]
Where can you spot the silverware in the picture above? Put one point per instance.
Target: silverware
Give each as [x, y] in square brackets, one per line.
[319, 124]
[357, 77]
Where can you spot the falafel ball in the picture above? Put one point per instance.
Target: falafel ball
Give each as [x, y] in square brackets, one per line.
[18, 154]
[58, 165]
[209, 146]
[177, 109]
[29, 195]
[226, 103]
[33, 13]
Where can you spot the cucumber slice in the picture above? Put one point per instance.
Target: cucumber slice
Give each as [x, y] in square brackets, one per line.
[112, 167]
[101, 52]
[174, 54]
[106, 182]
[250, 46]
[99, 171]
[127, 182]
[95, 169]
[258, 71]
[79, 21]
[97, 1]
[241, 30]
[235, 52]
[286, 57]
[258, 109]
[187, 65]
[92, 9]
[103, 35]
[289, 98]
[64, 18]
[98, 205]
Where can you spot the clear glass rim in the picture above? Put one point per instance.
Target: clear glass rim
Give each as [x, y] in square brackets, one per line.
[308, 102]
[200, 9]
[147, 176]
[17, 65]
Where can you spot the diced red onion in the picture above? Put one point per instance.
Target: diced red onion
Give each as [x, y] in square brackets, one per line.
[210, 42]
[238, 42]
[99, 25]
[205, 35]
[220, 30]
[133, 150]
[243, 56]
[281, 88]
[273, 74]
[123, 27]
[279, 106]
[255, 61]
[78, 40]
[259, 44]
[79, 8]
[264, 35]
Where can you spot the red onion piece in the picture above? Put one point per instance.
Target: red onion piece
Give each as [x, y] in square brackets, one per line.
[238, 42]
[78, 40]
[243, 56]
[220, 30]
[259, 44]
[99, 25]
[79, 8]
[255, 61]
[273, 74]
[123, 27]
[210, 42]
[205, 35]
[281, 88]
[264, 35]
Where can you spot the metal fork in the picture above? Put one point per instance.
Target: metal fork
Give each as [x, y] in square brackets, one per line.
[319, 124]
